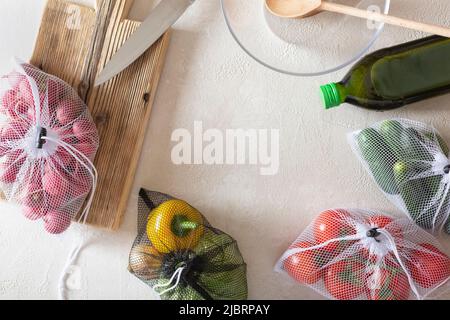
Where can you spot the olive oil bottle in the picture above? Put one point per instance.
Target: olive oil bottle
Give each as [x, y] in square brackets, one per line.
[394, 77]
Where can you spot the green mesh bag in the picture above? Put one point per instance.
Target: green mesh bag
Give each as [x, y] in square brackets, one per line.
[181, 256]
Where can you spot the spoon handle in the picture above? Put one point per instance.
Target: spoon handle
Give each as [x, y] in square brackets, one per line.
[379, 17]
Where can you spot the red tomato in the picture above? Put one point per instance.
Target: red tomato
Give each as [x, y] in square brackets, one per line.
[344, 280]
[381, 221]
[428, 265]
[387, 284]
[332, 224]
[303, 266]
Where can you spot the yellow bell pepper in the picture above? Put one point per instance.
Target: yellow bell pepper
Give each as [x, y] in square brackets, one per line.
[174, 225]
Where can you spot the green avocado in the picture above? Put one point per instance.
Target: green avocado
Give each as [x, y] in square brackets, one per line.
[417, 193]
[432, 137]
[380, 159]
[225, 276]
[406, 143]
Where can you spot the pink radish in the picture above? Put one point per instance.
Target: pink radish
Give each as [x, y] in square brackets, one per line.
[63, 161]
[87, 149]
[19, 110]
[66, 135]
[56, 202]
[25, 91]
[16, 157]
[57, 222]
[8, 100]
[83, 129]
[34, 213]
[55, 183]
[11, 166]
[9, 174]
[68, 111]
[14, 130]
[82, 181]
[33, 195]
[4, 148]
[82, 189]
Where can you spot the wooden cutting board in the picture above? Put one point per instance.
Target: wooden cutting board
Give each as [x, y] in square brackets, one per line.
[74, 43]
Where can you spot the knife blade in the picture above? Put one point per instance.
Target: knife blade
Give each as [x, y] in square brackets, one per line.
[165, 14]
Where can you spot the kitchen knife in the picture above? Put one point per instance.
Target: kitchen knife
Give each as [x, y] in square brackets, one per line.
[160, 19]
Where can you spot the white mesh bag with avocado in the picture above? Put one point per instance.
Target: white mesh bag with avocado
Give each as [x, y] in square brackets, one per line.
[409, 161]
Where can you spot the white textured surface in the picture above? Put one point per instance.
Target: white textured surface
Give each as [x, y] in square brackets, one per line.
[208, 78]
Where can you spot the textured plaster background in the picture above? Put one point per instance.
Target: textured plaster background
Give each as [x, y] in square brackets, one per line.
[207, 77]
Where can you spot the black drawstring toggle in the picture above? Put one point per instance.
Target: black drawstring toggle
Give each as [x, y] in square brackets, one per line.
[41, 141]
[373, 233]
[447, 169]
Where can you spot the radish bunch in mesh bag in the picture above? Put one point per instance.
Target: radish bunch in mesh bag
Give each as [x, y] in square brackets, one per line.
[357, 254]
[181, 256]
[47, 144]
[410, 163]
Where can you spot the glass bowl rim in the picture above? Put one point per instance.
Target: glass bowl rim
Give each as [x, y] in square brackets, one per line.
[358, 56]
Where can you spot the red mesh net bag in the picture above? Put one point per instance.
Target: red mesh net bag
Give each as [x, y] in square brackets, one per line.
[47, 144]
[357, 254]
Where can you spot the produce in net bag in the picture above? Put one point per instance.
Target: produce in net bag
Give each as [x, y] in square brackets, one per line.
[356, 254]
[410, 163]
[181, 256]
[47, 144]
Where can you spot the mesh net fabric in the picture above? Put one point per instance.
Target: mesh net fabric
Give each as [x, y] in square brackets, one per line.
[179, 254]
[409, 161]
[356, 254]
[47, 142]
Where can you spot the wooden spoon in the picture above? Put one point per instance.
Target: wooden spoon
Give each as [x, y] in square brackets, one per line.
[306, 8]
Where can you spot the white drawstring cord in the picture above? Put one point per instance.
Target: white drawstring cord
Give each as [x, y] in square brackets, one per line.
[176, 274]
[446, 216]
[84, 215]
[62, 284]
[293, 251]
[397, 256]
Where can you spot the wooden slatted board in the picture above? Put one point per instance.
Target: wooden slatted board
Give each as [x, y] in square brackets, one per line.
[74, 43]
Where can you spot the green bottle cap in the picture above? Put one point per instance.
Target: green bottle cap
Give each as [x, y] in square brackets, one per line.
[331, 96]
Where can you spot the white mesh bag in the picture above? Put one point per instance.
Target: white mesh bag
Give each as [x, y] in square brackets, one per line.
[410, 163]
[47, 144]
[350, 254]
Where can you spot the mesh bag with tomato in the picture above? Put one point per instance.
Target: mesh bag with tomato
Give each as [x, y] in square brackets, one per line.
[410, 163]
[356, 254]
[181, 256]
[47, 143]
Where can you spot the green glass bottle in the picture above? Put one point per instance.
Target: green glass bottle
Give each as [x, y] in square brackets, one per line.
[394, 77]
